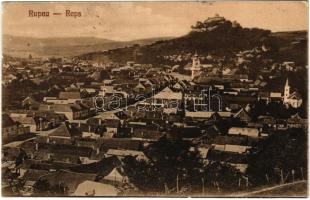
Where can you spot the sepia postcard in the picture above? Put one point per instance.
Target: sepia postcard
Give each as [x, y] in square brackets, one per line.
[155, 99]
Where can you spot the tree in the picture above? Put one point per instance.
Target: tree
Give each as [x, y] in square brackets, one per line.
[41, 187]
[175, 165]
[222, 176]
[282, 151]
[172, 163]
[104, 74]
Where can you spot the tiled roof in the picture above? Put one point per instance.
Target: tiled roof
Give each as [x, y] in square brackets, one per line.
[61, 131]
[70, 95]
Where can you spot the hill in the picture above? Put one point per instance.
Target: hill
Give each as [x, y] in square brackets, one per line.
[46, 47]
[217, 36]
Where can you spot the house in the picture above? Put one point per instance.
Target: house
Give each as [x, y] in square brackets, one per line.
[275, 96]
[64, 134]
[119, 143]
[232, 148]
[87, 142]
[272, 123]
[243, 115]
[8, 78]
[71, 111]
[91, 188]
[27, 121]
[62, 153]
[91, 130]
[227, 157]
[116, 177]
[71, 180]
[38, 122]
[207, 115]
[122, 153]
[63, 159]
[146, 134]
[54, 119]
[177, 87]
[70, 95]
[240, 140]
[250, 132]
[295, 121]
[167, 98]
[30, 102]
[139, 88]
[11, 129]
[109, 120]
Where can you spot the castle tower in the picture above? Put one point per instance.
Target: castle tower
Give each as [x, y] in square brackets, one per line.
[195, 66]
[286, 91]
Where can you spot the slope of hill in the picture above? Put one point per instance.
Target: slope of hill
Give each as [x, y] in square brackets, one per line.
[214, 35]
[290, 46]
[46, 47]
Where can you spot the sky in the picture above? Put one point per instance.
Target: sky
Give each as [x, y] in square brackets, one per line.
[126, 21]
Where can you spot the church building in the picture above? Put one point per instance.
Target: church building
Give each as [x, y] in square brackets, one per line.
[292, 99]
[196, 67]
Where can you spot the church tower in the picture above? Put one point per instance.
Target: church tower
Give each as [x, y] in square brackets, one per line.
[195, 66]
[286, 91]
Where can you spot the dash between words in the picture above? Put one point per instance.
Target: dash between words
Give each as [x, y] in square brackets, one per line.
[43, 14]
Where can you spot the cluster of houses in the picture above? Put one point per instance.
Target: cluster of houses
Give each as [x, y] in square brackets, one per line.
[83, 129]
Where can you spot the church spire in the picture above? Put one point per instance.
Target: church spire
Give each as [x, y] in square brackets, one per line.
[286, 92]
[196, 54]
[286, 83]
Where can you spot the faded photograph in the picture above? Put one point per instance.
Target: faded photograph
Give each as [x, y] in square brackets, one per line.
[154, 99]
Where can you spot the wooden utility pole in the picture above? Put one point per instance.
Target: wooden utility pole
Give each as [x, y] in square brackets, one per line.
[282, 180]
[286, 176]
[267, 178]
[293, 173]
[302, 173]
[203, 186]
[218, 186]
[177, 183]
